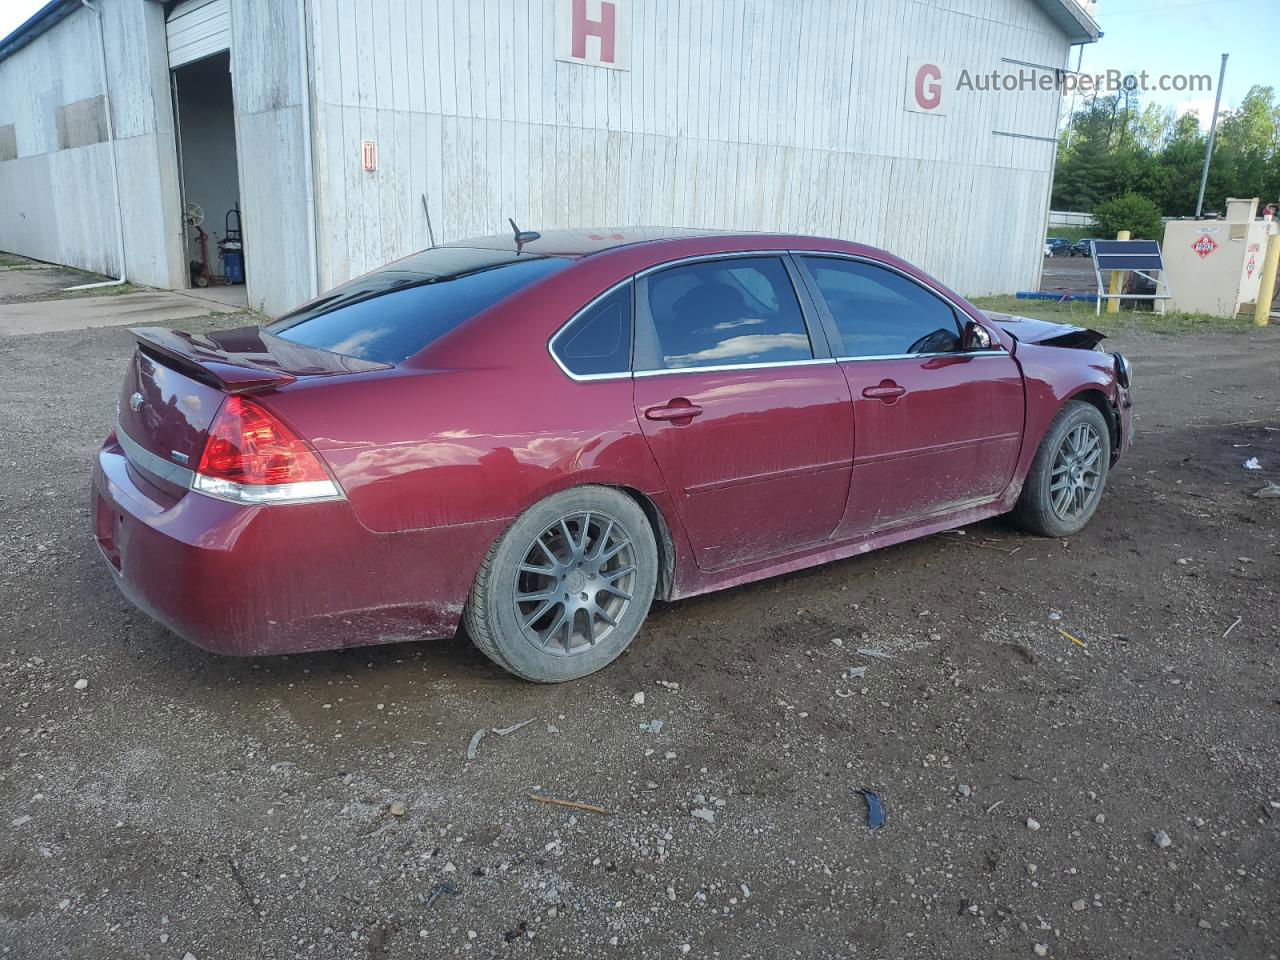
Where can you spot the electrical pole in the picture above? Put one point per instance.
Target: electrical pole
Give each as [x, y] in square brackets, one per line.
[1213, 129]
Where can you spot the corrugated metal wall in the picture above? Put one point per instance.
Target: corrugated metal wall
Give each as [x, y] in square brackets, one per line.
[56, 201]
[746, 114]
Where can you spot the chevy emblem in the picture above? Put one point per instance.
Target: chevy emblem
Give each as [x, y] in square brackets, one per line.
[135, 402]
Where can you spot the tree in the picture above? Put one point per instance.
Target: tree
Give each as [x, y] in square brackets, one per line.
[1130, 212]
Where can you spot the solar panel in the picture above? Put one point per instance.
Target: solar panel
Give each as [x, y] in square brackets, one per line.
[1127, 255]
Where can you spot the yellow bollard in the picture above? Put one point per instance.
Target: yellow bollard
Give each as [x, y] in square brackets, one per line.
[1270, 263]
[1117, 280]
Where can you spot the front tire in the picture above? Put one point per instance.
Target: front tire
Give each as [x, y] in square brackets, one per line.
[1068, 475]
[566, 589]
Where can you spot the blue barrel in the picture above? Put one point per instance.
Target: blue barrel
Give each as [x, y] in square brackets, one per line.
[232, 262]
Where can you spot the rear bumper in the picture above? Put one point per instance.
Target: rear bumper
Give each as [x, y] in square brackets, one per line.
[277, 579]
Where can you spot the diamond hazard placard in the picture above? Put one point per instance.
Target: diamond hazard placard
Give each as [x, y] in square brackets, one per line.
[1204, 246]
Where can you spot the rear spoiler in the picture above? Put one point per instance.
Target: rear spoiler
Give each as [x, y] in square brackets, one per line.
[244, 359]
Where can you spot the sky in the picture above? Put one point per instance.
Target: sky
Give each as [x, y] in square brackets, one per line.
[1171, 37]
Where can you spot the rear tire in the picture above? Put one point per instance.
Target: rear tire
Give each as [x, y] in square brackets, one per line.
[1068, 475]
[566, 589]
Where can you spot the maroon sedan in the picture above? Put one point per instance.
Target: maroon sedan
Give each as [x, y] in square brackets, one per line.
[537, 438]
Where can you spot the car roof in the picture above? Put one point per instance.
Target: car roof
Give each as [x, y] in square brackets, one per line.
[585, 241]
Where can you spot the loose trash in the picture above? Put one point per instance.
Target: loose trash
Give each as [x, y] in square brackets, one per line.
[475, 742]
[853, 672]
[1055, 615]
[702, 813]
[1233, 626]
[1076, 640]
[1252, 464]
[652, 726]
[574, 804]
[503, 731]
[436, 892]
[1270, 492]
[879, 654]
[875, 809]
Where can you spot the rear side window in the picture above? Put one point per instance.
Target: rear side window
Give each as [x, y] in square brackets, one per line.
[390, 314]
[880, 313]
[599, 341]
[716, 313]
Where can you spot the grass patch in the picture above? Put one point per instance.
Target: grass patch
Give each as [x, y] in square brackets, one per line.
[1126, 321]
[13, 260]
[96, 292]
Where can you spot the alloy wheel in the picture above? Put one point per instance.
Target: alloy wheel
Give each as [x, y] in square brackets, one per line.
[575, 583]
[1076, 478]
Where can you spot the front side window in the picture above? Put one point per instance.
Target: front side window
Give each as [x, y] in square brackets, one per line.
[880, 313]
[599, 341]
[716, 313]
[392, 313]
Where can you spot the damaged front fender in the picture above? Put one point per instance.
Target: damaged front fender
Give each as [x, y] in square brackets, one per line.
[1046, 333]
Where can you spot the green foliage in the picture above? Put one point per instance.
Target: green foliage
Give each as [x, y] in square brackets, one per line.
[1132, 212]
[1111, 147]
[1127, 321]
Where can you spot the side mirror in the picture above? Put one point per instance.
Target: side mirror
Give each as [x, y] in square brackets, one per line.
[975, 337]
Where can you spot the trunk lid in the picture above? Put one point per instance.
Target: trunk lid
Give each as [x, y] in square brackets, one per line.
[176, 383]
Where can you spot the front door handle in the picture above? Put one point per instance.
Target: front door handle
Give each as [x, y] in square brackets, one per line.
[679, 411]
[887, 391]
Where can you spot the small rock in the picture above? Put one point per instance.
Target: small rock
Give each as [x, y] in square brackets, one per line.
[397, 809]
[82, 684]
[638, 699]
[972, 909]
[188, 956]
[1078, 905]
[1205, 925]
[19, 821]
[685, 948]
[1031, 869]
[1033, 824]
[964, 790]
[1161, 839]
[1041, 949]
[1100, 818]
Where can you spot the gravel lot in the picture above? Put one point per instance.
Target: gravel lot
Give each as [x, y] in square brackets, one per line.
[323, 805]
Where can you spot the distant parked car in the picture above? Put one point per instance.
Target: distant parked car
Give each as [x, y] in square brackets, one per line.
[1083, 248]
[1056, 246]
[537, 438]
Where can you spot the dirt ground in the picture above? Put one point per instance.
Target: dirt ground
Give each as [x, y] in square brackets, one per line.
[185, 804]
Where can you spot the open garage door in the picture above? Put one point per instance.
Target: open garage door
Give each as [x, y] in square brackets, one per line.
[197, 29]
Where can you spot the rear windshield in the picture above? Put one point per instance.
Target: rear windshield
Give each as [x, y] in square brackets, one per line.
[390, 314]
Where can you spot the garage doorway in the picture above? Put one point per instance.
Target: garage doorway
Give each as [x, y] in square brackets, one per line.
[208, 170]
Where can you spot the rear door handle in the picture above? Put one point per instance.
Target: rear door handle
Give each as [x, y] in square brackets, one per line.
[675, 410]
[888, 391]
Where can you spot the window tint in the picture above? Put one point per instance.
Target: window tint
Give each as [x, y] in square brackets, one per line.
[881, 313]
[599, 341]
[723, 312]
[390, 314]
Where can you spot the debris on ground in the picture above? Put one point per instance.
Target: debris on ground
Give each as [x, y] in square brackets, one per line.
[652, 726]
[574, 804]
[878, 654]
[475, 742]
[1270, 492]
[704, 813]
[1033, 823]
[1252, 464]
[638, 699]
[503, 731]
[1235, 624]
[82, 684]
[439, 890]
[1161, 839]
[397, 809]
[1076, 640]
[875, 809]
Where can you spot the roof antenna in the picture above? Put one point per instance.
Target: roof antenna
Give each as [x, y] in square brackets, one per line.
[523, 236]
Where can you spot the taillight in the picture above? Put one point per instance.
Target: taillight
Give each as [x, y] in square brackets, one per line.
[251, 457]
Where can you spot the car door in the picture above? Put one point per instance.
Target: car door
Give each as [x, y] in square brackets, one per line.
[937, 428]
[747, 415]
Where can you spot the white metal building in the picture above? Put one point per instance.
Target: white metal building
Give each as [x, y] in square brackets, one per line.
[352, 132]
